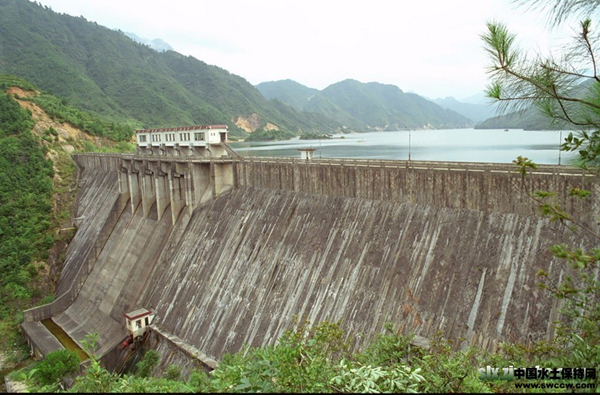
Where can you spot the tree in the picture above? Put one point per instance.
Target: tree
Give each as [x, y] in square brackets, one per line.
[566, 87]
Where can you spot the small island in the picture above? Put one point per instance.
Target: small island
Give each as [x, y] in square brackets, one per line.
[269, 135]
[314, 136]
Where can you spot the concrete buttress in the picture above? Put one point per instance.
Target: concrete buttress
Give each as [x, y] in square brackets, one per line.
[176, 192]
[163, 195]
[148, 190]
[135, 194]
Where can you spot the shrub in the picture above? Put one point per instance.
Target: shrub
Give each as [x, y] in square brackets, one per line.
[398, 378]
[147, 364]
[303, 361]
[173, 372]
[56, 365]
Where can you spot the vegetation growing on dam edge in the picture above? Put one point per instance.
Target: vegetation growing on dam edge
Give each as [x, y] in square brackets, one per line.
[316, 359]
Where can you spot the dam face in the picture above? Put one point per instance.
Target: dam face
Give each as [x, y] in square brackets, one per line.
[226, 252]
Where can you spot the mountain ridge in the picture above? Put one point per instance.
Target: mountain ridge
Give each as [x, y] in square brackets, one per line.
[157, 44]
[104, 71]
[475, 112]
[368, 106]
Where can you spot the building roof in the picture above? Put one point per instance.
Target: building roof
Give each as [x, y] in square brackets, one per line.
[182, 128]
[137, 314]
[307, 149]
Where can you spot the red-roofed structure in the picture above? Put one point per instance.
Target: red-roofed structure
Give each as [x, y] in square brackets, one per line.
[137, 321]
[182, 128]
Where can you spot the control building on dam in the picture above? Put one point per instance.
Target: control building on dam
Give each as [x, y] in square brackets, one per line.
[225, 250]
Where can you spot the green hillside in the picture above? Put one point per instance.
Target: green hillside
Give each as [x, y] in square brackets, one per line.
[104, 71]
[38, 132]
[288, 91]
[25, 205]
[365, 106]
[530, 119]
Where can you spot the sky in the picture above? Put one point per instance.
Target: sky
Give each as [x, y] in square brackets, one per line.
[429, 47]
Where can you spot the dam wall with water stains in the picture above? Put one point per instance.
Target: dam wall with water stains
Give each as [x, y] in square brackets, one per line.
[485, 187]
[426, 246]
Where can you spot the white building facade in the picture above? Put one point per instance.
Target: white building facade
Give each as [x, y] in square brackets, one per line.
[199, 140]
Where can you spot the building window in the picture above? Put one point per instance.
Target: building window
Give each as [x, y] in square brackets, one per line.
[184, 136]
[142, 138]
[199, 136]
[170, 137]
[138, 323]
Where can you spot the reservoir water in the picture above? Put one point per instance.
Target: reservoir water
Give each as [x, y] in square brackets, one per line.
[456, 145]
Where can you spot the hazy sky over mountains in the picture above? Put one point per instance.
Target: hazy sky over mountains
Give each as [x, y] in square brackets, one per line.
[430, 47]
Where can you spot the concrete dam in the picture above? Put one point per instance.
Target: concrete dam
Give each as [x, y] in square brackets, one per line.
[226, 251]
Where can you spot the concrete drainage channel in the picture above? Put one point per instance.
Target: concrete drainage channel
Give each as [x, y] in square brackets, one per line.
[64, 339]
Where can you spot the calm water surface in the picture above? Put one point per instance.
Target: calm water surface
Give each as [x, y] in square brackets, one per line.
[461, 145]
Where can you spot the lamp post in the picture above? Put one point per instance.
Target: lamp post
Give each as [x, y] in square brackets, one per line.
[320, 152]
[559, 142]
[409, 144]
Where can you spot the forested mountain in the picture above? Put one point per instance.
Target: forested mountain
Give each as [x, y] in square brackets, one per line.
[104, 71]
[531, 119]
[288, 91]
[365, 105]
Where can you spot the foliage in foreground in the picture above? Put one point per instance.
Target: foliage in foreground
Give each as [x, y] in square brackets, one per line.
[316, 359]
[55, 366]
